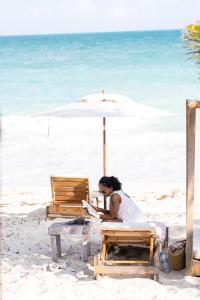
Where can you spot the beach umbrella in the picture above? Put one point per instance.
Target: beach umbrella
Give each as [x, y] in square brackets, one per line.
[105, 105]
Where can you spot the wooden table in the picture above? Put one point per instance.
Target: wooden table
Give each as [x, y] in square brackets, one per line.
[56, 229]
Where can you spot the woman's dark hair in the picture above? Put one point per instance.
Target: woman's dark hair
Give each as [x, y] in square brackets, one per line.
[111, 182]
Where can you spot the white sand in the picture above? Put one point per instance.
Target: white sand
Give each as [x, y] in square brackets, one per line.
[26, 253]
[149, 162]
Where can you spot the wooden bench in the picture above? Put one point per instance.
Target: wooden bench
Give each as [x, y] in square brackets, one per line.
[142, 237]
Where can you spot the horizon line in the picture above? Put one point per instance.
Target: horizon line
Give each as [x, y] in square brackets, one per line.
[88, 32]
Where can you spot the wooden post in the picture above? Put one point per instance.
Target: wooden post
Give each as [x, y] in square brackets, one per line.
[166, 238]
[190, 171]
[151, 249]
[103, 253]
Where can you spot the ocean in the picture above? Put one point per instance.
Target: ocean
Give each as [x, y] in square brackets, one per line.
[43, 72]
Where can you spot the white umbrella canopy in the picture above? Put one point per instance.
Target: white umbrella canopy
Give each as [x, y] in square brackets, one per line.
[115, 98]
[105, 105]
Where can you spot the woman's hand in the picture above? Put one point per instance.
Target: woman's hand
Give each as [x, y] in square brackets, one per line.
[98, 209]
[95, 207]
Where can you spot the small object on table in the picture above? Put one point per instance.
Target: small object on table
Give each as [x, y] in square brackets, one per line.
[95, 195]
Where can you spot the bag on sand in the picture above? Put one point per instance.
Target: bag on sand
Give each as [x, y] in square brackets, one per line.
[176, 255]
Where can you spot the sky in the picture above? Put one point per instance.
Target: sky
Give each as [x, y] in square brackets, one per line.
[69, 16]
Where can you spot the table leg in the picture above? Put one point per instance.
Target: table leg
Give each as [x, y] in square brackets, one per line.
[86, 245]
[56, 246]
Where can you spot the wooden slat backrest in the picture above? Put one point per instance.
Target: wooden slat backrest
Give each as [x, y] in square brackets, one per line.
[69, 190]
[128, 236]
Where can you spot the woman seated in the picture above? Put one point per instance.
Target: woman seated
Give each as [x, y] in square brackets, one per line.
[122, 207]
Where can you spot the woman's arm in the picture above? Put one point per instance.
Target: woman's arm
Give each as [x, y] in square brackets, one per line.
[115, 201]
[98, 209]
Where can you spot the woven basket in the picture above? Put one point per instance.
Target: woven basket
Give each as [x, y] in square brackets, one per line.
[176, 255]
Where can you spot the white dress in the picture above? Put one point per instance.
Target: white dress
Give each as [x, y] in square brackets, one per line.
[128, 211]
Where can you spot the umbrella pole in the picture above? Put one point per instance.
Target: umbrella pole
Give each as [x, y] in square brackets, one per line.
[104, 146]
[104, 154]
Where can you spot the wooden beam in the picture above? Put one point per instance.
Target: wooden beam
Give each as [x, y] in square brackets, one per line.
[125, 262]
[68, 179]
[103, 253]
[193, 104]
[196, 267]
[126, 270]
[66, 211]
[190, 172]
[128, 232]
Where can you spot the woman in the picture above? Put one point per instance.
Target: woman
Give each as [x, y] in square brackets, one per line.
[122, 207]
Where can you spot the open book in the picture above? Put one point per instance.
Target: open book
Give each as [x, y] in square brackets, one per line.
[91, 210]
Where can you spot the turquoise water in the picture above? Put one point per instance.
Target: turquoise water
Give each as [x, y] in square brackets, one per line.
[43, 72]
[38, 73]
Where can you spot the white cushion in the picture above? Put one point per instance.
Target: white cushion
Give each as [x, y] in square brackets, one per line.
[160, 230]
[157, 227]
[196, 240]
[133, 226]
